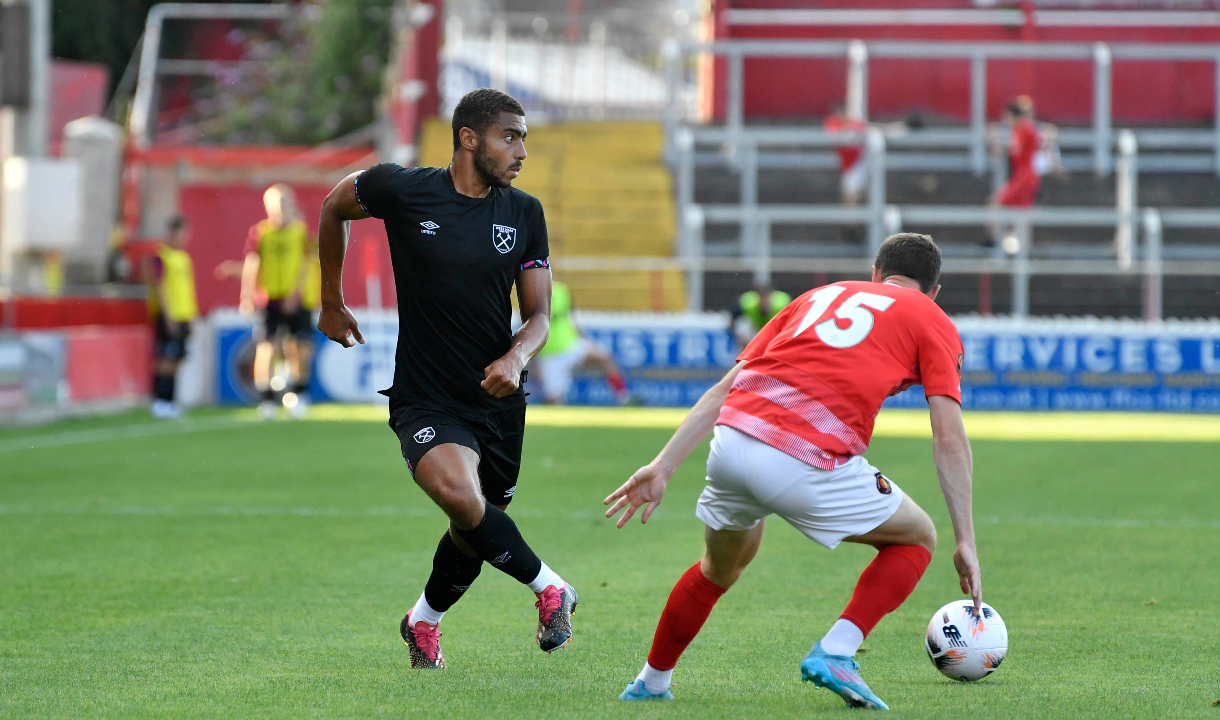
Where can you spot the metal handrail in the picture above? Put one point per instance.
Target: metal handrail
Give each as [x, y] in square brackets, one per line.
[1150, 263]
[756, 221]
[857, 52]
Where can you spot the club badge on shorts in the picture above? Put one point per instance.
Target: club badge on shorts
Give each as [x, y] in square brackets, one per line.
[504, 238]
[428, 433]
[883, 485]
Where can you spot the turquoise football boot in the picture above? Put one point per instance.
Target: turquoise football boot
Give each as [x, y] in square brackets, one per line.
[637, 691]
[839, 674]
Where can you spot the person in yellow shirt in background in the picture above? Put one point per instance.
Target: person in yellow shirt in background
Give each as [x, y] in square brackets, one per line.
[281, 261]
[754, 309]
[173, 305]
[566, 349]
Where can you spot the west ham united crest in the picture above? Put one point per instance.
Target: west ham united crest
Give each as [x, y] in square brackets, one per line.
[504, 237]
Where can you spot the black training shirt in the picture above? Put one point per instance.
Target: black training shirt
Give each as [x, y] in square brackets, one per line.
[455, 261]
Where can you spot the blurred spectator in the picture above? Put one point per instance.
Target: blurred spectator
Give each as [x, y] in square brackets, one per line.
[567, 349]
[755, 308]
[853, 156]
[172, 304]
[1031, 154]
[278, 262]
[1021, 190]
[118, 267]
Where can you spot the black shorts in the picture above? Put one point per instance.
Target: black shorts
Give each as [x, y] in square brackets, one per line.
[170, 345]
[298, 323]
[496, 437]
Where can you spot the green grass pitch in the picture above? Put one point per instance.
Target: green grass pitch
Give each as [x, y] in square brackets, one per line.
[225, 568]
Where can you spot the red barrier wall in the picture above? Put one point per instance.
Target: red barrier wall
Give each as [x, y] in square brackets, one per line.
[47, 313]
[1146, 93]
[103, 363]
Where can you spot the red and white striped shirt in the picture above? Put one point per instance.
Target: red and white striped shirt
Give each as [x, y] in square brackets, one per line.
[816, 375]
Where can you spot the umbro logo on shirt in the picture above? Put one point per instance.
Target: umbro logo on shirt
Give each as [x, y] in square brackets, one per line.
[429, 227]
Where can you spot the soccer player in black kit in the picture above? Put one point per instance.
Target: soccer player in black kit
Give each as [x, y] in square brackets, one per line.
[459, 238]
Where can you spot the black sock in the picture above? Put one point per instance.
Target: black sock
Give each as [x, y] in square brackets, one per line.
[163, 387]
[453, 572]
[299, 388]
[498, 541]
[266, 395]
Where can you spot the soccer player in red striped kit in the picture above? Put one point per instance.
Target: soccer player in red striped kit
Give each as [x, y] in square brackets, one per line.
[791, 421]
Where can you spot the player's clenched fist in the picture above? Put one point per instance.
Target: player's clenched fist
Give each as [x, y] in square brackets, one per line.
[502, 376]
[338, 324]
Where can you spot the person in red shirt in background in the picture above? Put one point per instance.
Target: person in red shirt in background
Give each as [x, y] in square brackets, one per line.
[853, 155]
[1024, 180]
[853, 160]
[1023, 143]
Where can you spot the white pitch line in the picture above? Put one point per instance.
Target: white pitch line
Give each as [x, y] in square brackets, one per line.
[123, 432]
[419, 512]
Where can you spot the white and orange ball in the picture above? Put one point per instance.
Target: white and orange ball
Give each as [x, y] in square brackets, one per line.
[965, 647]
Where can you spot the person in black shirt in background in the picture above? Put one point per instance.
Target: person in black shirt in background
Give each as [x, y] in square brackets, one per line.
[460, 237]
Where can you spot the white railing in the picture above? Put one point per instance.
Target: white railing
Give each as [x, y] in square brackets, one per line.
[755, 220]
[1099, 138]
[564, 66]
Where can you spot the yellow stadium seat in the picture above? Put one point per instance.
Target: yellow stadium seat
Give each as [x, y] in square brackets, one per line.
[605, 191]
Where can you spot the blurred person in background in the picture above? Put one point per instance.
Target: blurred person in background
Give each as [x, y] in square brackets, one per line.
[278, 262]
[853, 156]
[755, 308]
[172, 305]
[568, 349]
[1024, 180]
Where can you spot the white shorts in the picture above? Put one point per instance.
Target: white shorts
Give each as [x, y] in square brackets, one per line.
[557, 369]
[748, 480]
[854, 180]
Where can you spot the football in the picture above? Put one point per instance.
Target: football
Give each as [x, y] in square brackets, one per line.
[964, 647]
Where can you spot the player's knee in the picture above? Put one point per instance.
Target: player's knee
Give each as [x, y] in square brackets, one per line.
[929, 542]
[464, 512]
[721, 572]
[925, 536]
[455, 496]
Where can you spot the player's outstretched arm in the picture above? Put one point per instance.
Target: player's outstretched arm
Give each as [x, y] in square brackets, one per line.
[338, 210]
[955, 469]
[249, 281]
[647, 485]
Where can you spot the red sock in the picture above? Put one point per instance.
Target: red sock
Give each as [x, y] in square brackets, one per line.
[618, 383]
[689, 605]
[885, 584]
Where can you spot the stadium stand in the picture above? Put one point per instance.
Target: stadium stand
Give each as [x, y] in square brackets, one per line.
[607, 193]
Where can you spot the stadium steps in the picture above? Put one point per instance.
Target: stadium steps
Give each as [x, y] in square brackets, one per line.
[605, 192]
[1100, 295]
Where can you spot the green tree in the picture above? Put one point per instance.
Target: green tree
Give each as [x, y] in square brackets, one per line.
[316, 76]
[321, 79]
